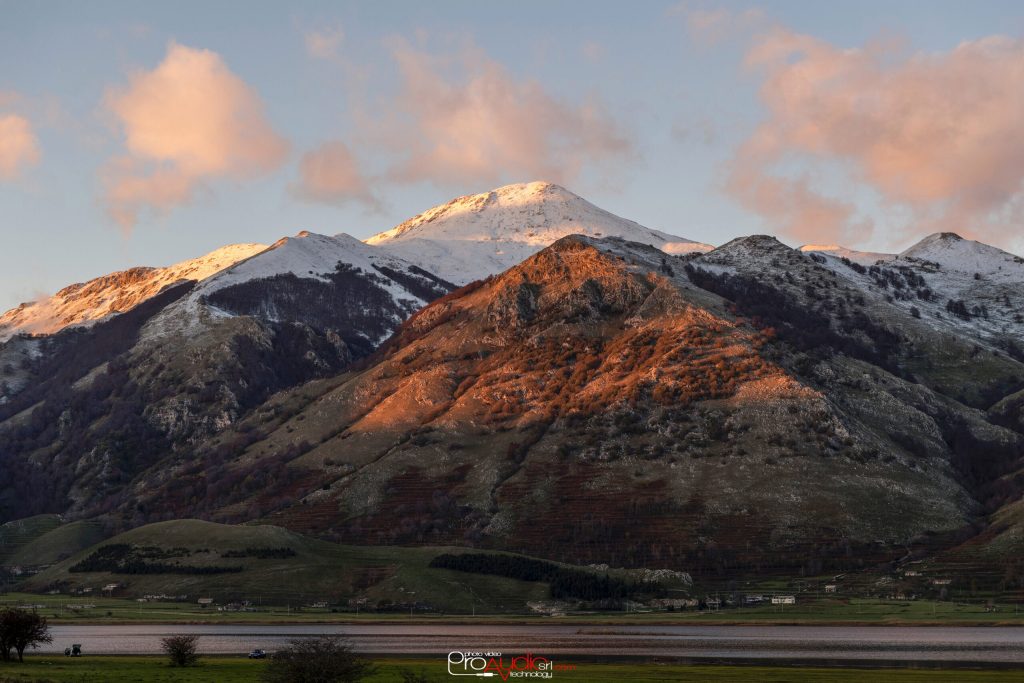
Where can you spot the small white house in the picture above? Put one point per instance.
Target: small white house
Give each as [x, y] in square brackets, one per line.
[783, 599]
[205, 602]
[830, 588]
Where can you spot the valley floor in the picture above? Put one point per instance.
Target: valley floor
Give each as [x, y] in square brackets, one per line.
[236, 670]
[62, 609]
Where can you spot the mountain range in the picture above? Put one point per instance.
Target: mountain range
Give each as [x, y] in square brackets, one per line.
[521, 370]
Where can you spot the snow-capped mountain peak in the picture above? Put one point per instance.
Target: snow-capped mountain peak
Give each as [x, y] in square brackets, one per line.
[478, 235]
[951, 284]
[311, 278]
[305, 255]
[952, 252]
[88, 302]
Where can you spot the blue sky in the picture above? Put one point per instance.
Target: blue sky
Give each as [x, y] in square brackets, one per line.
[663, 83]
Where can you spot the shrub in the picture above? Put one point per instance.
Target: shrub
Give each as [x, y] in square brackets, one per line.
[958, 308]
[326, 659]
[181, 650]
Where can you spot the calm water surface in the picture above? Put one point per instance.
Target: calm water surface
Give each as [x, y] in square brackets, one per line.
[908, 643]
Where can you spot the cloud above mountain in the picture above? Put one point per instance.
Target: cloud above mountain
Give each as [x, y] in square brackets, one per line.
[19, 147]
[188, 121]
[459, 119]
[330, 174]
[935, 134]
[324, 43]
[465, 119]
[707, 27]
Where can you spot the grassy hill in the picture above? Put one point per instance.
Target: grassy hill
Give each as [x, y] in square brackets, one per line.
[381, 577]
[19, 533]
[59, 543]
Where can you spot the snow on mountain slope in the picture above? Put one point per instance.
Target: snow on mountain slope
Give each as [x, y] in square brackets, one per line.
[864, 258]
[901, 316]
[952, 252]
[951, 284]
[305, 255]
[977, 287]
[88, 302]
[330, 271]
[478, 235]
[750, 254]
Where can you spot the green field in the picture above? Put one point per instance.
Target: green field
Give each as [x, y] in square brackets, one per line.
[854, 611]
[236, 670]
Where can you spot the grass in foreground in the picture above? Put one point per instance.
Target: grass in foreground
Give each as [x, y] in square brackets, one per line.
[235, 670]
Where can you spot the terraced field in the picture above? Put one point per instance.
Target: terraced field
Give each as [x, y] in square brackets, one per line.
[19, 533]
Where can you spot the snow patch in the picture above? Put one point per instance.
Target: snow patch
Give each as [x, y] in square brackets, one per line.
[864, 258]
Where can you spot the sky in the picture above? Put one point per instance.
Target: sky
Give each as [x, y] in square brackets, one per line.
[139, 133]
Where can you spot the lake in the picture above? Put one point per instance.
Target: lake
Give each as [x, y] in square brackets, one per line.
[998, 645]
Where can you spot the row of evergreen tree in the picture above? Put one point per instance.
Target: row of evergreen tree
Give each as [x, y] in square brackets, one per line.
[121, 558]
[566, 583]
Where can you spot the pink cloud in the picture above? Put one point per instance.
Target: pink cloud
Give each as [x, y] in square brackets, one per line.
[18, 145]
[331, 174]
[593, 51]
[707, 27]
[324, 43]
[9, 99]
[187, 121]
[465, 119]
[794, 208]
[935, 133]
